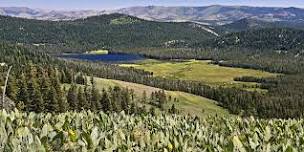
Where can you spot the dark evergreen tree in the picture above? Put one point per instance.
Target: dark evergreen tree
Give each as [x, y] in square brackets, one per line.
[22, 95]
[81, 99]
[95, 100]
[80, 79]
[72, 98]
[52, 102]
[45, 85]
[88, 97]
[105, 101]
[173, 110]
[12, 88]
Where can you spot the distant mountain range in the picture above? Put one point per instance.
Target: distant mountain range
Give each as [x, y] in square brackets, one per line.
[41, 14]
[215, 15]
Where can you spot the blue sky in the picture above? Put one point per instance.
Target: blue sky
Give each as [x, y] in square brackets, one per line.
[111, 4]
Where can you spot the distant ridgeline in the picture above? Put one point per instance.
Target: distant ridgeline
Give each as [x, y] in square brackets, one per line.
[122, 31]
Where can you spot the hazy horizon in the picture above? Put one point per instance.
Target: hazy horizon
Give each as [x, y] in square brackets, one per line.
[106, 5]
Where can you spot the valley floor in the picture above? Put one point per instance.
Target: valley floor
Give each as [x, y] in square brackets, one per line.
[202, 71]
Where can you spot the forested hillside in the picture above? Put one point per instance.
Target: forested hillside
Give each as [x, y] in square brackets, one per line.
[41, 83]
[106, 31]
[265, 38]
[118, 31]
[255, 24]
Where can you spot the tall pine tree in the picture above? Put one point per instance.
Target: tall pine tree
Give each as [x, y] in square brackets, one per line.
[52, 102]
[12, 88]
[72, 97]
[81, 99]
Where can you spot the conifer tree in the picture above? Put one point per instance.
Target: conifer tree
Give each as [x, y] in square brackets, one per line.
[63, 105]
[12, 88]
[40, 106]
[88, 97]
[72, 97]
[105, 101]
[52, 102]
[126, 99]
[133, 109]
[22, 94]
[34, 98]
[81, 99]
[173, 110]
[45, 87]
[95, 100]
[80, 79]
[57, 86]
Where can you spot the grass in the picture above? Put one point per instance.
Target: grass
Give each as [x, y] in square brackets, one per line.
[200, 71]
[196, 105]
[98, 52]
[124, 21]
[187, 103]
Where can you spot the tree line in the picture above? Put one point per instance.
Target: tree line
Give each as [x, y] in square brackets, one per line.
[39, 83]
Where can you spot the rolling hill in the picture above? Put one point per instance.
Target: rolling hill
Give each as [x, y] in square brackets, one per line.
[105, 31]
[117, 31]
[261, 38]
[255, 24]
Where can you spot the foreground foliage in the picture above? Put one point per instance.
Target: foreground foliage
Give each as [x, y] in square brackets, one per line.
[86, 131]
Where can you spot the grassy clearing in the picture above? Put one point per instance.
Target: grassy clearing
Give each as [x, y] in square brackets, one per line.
[196, 105]
[187, 103]
[98, 52]
[124, 20]
[200, 71]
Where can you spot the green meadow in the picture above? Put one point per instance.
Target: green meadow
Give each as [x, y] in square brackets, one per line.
[124, 20]
[202, 71]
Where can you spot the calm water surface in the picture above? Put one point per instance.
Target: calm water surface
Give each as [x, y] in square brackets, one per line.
[111, 57]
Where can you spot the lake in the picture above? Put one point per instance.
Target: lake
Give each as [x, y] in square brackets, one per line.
[108, 58]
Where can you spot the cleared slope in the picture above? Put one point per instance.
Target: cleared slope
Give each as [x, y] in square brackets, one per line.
[187, 103]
